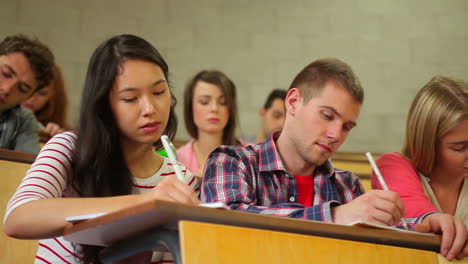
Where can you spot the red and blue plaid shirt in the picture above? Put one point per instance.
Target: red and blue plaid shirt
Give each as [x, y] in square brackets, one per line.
[254, 179]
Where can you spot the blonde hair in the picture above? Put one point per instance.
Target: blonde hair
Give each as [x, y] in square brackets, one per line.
[438, 107]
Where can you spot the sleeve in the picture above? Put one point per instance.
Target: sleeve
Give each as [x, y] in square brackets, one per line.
[229, 179]
[349, 185]
[401, 177]
[48, 175]
[27, 139]
[187, 157]
[411, 221]
[191, 179]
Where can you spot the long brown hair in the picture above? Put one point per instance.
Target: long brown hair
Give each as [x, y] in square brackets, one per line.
[55, 110]
[228, 88]
[99, 167]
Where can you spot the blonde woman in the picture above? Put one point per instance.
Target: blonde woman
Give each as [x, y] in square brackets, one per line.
[431, 173]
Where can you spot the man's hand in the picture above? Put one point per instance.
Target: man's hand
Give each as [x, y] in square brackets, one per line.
[454, 242]
[377, 206]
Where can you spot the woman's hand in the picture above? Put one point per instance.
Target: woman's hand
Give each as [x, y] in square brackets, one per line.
[53, 129]
[173, 190]
[454, 242]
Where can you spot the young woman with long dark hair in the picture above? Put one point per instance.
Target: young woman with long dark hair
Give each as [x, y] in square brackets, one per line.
[110, 163]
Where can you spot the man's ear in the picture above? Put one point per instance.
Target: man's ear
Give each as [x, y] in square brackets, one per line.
[292, 101]
[262, 112]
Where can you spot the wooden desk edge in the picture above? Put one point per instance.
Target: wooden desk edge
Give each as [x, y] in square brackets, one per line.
[174, 212]
[23, 157]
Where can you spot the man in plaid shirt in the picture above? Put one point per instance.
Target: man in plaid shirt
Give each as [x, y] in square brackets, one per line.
[290, 173]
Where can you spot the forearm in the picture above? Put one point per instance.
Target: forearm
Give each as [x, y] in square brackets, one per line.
[319, 212]
[45, 218]
[402, 178]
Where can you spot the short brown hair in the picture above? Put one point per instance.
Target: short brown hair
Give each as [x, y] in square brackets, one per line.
[38, 55]
[311, 80]
[438, 107]
[228, 89]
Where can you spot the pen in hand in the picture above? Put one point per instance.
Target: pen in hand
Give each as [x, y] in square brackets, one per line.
[171, 153]
[382, 181]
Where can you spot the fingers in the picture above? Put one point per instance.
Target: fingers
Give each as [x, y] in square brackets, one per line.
[386, 212]
[53, 129]
[459, 241]
[172, 189]
[423, 228]
[381, 207]
[464, 252]
[392, 197]
[185, 190]
[454, 234]
[385, 207]
[442, 223]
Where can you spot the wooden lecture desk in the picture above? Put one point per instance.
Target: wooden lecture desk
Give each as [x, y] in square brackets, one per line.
[196, 234]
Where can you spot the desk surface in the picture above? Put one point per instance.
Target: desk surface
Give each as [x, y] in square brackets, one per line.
[15, 156]
[121, 224]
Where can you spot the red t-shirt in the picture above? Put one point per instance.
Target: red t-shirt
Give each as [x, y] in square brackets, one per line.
[305, 189]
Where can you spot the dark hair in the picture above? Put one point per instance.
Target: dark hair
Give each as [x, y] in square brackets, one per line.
[38, 55]
[99, 167]
[311, 80]
[275, 94]
[55, 110]
[229, 90]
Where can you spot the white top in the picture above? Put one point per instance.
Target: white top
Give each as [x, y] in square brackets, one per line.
[50, 177]
[462, 204]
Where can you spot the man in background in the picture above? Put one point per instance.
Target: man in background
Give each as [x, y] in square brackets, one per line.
[25, 67]
[271, 116]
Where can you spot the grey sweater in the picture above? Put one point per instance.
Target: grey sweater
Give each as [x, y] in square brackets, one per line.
[19, 130]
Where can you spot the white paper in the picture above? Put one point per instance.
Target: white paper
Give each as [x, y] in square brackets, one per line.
[374, 225]
[79, 218]
[218, 205]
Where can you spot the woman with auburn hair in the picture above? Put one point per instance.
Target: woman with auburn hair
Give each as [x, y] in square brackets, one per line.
[431, 173]
[210, 114]
[110, 162]
[49, 104]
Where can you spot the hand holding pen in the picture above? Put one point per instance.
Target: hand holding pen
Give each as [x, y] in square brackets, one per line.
[171, 153]
[382, 181]
[173, 189]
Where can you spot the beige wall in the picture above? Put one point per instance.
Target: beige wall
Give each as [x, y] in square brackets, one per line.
[395, 46]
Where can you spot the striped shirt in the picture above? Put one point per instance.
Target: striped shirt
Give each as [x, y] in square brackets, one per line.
[50, 177]
[254, 179]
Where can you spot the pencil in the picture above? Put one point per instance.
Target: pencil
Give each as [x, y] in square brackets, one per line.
[382, 181]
